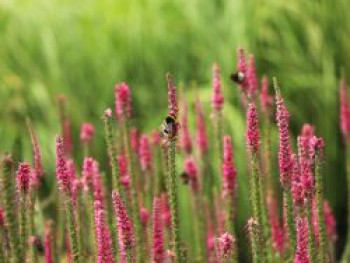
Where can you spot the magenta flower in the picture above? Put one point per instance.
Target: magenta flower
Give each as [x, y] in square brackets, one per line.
[344, 110]
[123, 170]
[87, 132]
[251, 77]
[88, 172]
[156, 138]
[202, 138]
[75, 182]
[23, 177]
[225, 245]
[144, 216]
[103, 236]
[277, 233]
[158, 252]
[217, 98]
[306, 177]
[67, 137]
[301, 254]
[134, 140]
[36, 153]
[228, 168]
[284, 154]
[145, 152]
[166, 212]
[252, 132]
[122, 101]
[266, 99]
[192, 171]
[2, 217]
[298, 190]
[47, 243]
[186, 143]
[125, 227]
[62, 175]
[172, 99]
[329, 221]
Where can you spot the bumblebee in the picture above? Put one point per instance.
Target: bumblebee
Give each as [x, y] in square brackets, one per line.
[238, 77]
[168, 128]
[185, 177]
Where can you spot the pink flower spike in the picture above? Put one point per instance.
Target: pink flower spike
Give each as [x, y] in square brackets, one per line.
[156, 138]
[144, 216]
[202, 139]
[134, 140]
[228, 168]
[266, 99]
[277, 234]
[123, 170]
[225, 245]
[186, 143]
[36, 153]
[158, 252]
[2, 217]
[125, 228]
[217, 98]
[166, 213]
[284, 154]
[252, 133]
[146, 157]
[301, 254]
[87, 132]
[122, 101]
[61, 167]
[23, 177]
[251, 77]
[298, 191]
[192, 171]
[344, 110]
[47, 242]
[329, 221]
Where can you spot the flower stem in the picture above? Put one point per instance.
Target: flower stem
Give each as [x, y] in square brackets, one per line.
[11, 219]
[174, 199]
[311, 236]
[72, 230]
[346, 254]
[23, 223]
[289, 212]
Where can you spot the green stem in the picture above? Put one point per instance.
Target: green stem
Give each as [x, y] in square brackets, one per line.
[174, 203]
[134, 193]
[9, 204]
[288, 205]
[256, 202]
[311, 237]
[72, 230]
[23, 220]
[33, 254]
[346, 254]
[319, 206]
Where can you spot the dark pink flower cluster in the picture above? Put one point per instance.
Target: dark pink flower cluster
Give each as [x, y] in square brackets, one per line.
[217, 98]
[87, 131]
[228, 168]
[225, 245]
[39, 172]
[252, 132]
[301, 254]
[75, 182]
[186, 143]
[123, 170]
[145, 153]
[2, 217]
[329, 221]
[251, 77]
[202, 138]
[158, 252]
[344, 110]
[277, 233]
[166, 212]
[192, 172]
[242, 67]
[62, 175]
[103, 236]
[144, 216]
[298, 191]
[284, 154]
[122, 101]
[266, 99]
[134, 140]
[48, 242]
[23, 177]
[125, 227]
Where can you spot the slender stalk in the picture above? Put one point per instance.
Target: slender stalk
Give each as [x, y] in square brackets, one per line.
[9, 204]
[311, 236]
[289, 212]
[174, 203]
[319, 206]
[72, 226]
[23, 223]
[346, 254]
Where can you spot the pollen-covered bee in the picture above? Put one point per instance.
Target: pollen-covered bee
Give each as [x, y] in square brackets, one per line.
[238, 77]
[168, 128]
[185, 177]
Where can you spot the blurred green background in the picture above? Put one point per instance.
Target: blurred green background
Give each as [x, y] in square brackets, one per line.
[82, 48]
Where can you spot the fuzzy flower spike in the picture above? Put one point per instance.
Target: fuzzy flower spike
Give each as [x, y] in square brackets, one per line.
[217, 99]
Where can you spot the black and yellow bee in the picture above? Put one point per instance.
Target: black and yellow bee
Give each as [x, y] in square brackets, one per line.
[168, 128]
[238, 77]
[185, 177]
